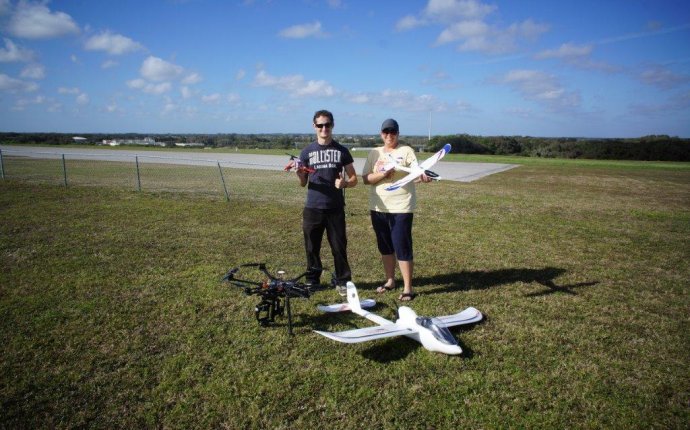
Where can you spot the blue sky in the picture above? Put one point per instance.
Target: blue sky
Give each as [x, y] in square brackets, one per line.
[603, 68]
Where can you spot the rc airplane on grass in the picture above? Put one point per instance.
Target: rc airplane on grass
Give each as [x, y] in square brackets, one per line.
[415, 170]
[432, 333]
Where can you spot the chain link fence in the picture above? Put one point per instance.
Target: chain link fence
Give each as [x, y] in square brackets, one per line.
[220, 179]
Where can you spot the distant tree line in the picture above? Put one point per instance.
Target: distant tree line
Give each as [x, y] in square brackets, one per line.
[655, 147]
[649, 148]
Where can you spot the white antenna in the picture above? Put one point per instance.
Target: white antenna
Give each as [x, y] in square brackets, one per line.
[429, 126]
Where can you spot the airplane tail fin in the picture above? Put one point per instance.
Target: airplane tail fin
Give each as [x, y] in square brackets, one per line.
[353, 297]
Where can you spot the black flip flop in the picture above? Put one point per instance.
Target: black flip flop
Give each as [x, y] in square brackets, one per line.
[407, 297]
[385, 289]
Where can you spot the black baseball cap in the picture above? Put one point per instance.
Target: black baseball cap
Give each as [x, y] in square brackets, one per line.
[390, 123]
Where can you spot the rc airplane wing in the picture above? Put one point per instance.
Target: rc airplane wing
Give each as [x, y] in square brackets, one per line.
[432, 333]
[367, 333]
[468, 316]
[415, 171]
[343, 307]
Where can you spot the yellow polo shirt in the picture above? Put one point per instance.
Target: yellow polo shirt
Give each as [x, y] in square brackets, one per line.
[402, 200]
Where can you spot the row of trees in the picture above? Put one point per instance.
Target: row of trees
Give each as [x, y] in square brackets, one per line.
[657, 147]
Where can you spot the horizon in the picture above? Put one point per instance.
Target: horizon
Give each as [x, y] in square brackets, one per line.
[335, 135]
[592, 70]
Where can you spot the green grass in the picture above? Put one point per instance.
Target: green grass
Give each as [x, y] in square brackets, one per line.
[112, 314]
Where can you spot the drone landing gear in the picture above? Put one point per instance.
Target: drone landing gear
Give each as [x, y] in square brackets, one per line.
[268, 308]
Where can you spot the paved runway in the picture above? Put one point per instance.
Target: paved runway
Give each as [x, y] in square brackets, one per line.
[454, 171]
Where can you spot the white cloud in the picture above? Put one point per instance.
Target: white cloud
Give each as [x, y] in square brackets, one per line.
[82, 99]
[192, 78]
[36, 21]
[240, 75]
[54, 107]
[211, 98]
[186, 92]
[12, 53]
[360, 99]
[5, 7]
[161, 88]
[295, 85]
[452, 10]
[168, 108]
[678, 104]
[149, 88]
[468, 30]
[566, 51]
[113, 44]
[22, 103]
[399, 100]
[542, 88]
[441, 80]
[13, 85]
[445, 12]
[576, 56]
[64, 90]
[108, 64]
[234, 99]
[465, 22]
[315, 89]
[303, 31]
[527, 29]
[33, 71]
[663, 78]
[157, 69]
[409, 22]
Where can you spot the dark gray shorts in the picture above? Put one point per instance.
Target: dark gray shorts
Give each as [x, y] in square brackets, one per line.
[393, 234]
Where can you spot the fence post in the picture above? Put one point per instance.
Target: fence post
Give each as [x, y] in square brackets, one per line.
[227, 196]
[136, 159]
[64, 170]
[2, 165]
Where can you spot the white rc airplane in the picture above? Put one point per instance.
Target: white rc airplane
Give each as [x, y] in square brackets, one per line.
[415, 170]
[432, 333]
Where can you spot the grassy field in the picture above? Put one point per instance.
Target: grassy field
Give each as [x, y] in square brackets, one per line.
[112, 314]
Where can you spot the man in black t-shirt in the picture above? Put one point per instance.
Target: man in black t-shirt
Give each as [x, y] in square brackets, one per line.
[324, 209]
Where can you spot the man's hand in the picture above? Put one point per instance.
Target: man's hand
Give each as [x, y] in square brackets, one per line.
[340, 183]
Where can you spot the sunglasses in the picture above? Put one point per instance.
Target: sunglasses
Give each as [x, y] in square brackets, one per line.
[389, 131]
[325, 124]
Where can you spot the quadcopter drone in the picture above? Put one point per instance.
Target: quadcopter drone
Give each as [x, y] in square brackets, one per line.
[296, 164]
[272, 292]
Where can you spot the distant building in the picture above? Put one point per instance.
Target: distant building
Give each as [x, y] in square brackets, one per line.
[191, 144]
[147, 141]
[79, 139]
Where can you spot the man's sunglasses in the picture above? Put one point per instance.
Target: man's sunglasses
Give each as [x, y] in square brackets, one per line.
[325, 124]
[389, 131]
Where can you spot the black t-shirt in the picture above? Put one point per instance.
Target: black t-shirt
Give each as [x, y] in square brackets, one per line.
[328, 161]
